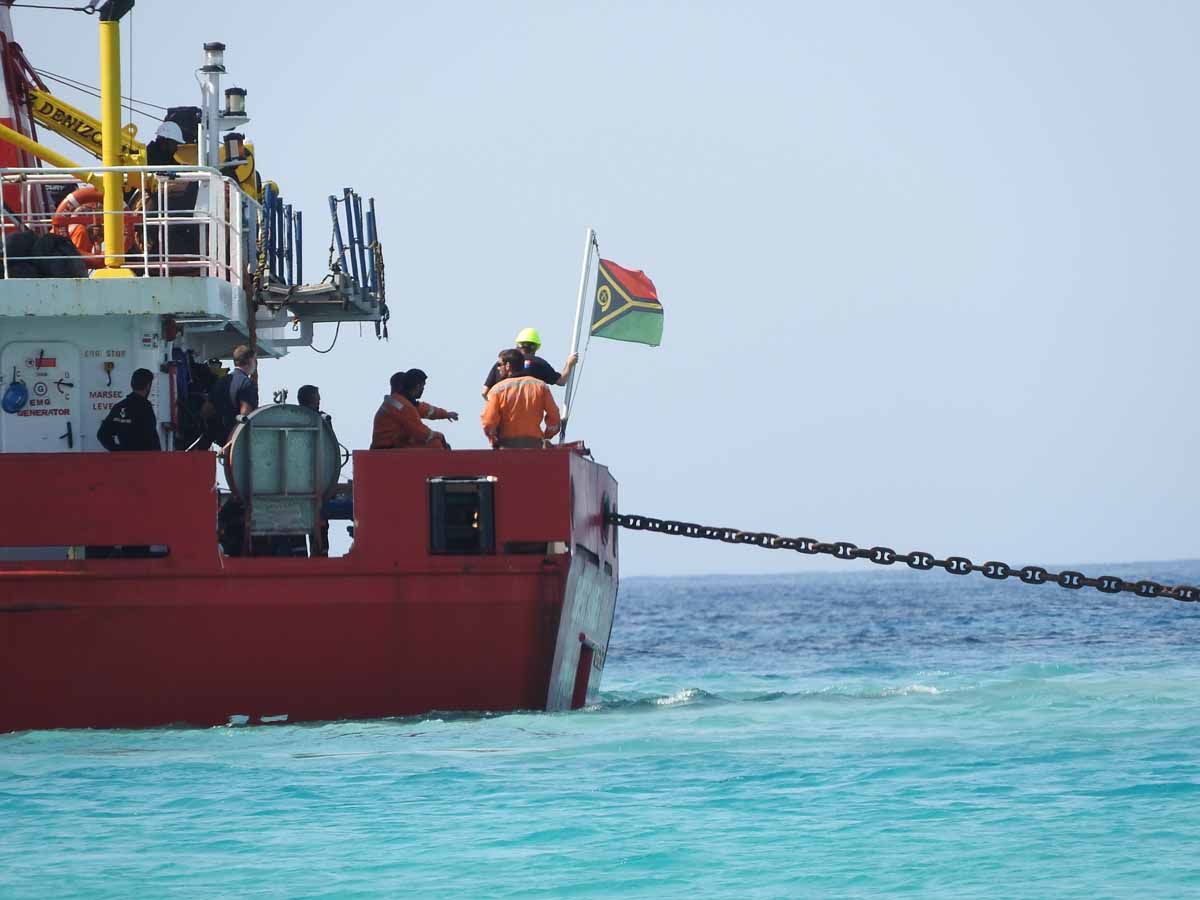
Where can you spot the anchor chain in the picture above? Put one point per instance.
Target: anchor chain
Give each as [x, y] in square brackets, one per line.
[917, 559]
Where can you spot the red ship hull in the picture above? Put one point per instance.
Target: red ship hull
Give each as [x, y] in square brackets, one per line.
[391, 629]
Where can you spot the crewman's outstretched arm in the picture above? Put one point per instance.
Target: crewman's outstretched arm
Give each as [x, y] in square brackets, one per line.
[429, 411]
[566, 372]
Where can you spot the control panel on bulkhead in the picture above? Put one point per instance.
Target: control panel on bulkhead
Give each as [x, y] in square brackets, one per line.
[39, 397]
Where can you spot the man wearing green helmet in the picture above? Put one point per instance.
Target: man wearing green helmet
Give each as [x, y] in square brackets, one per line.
[528, 342]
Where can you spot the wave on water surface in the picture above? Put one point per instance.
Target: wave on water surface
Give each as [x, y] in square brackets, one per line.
[694, 696]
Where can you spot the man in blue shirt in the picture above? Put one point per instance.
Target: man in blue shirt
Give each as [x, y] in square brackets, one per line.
[529, 342]
[235, 394]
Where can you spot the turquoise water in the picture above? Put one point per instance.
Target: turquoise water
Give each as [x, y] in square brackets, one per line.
[850, 734]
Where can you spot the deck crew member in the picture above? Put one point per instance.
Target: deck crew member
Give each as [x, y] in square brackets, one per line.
[131, 424]
[414, 388]
[398, 423]
[235, 394]
[529, 342]
[182, 238]
[309, 395]
[517, 405]
[167, 138]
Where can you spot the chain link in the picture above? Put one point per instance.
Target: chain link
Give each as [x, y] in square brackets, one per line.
[917, 559]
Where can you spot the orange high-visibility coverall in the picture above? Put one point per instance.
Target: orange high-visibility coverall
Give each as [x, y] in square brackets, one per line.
[398, 425]
[515, 409]
[429, 411]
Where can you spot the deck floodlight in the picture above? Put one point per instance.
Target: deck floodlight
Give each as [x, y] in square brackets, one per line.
[235, 149]
[214, 57]
[235, 102]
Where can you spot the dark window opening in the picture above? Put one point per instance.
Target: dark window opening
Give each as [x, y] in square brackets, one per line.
[462, 517]
[127, 551]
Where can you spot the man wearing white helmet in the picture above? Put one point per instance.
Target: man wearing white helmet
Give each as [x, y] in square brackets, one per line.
[184, 239]
[161, 150]
[528, 342]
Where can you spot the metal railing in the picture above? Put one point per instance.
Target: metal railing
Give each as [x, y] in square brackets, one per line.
[167, 231]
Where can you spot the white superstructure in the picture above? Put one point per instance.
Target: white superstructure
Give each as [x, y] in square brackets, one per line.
[209, 275]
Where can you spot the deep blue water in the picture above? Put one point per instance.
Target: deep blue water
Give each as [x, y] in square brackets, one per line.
[851, 734]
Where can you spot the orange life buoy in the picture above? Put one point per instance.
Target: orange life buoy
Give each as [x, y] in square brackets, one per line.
[82, 209]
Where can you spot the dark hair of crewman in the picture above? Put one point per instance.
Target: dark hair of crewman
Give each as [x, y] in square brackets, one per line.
[414, 378]
[398, 382]
[142, 378]
[306, 394]
[514, 358]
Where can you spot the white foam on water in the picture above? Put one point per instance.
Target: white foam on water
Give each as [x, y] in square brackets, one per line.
[910, 690]
[687, 695]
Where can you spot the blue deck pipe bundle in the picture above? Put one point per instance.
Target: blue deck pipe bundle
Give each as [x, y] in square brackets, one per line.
[290, 249]
[362, 244]
[299, 247]
[372, 239]
[277, 238]
[337, 233]
[348, 198]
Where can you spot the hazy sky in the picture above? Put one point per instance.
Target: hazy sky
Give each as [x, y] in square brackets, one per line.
[929, 268]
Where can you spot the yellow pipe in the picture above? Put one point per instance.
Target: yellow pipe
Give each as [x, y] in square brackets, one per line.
[110, 122]
[41, 151]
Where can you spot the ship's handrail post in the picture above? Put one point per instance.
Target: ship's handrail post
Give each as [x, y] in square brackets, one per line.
[216, 219]
[145, 228]
[239, 224]
[209, 240]
[589, 243]
[165, 242]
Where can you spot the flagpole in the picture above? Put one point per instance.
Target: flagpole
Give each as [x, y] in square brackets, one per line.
[589, 243]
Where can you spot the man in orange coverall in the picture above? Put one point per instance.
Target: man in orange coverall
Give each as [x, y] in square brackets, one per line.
[398, 423]
[516, 405]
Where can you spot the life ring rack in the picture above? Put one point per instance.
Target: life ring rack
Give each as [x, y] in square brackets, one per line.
[77, 208]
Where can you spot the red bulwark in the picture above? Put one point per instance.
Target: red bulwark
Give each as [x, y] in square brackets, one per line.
[390, 629]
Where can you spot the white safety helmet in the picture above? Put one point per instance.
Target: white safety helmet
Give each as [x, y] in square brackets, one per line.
[171, 131]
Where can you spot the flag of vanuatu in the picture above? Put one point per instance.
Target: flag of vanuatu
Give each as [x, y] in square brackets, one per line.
[626, 306]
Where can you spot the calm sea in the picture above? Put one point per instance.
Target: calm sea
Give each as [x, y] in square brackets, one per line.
[852, 734]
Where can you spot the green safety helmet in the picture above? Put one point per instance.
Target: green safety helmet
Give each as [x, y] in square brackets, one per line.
[529, 336]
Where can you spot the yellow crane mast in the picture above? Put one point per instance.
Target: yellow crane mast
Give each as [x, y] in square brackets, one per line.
[73, 124]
